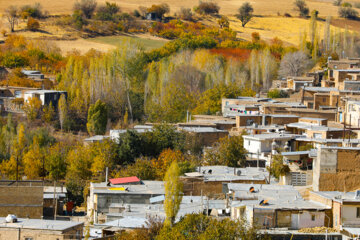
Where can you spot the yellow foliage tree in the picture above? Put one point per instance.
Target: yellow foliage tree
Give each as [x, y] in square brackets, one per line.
[165, 159]
[173, 193]
[32, 108]
[33, 161]
[8, 168]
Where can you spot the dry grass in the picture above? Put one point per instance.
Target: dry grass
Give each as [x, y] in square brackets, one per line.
[262, 7]
[81, 45]
[286, 29]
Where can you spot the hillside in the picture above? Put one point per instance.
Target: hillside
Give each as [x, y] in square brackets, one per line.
[228, 7]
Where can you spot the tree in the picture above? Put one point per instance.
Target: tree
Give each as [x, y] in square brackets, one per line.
[223, 22]
[165, 159]
[245, 13]
[143, 168]
[56, 161]
[201, 227]
[302, 8]
[107, 12]
[173, 193]
[33, 161]
[227, 151]
[87, 7]
[33, 24]
[48, 113]
[32, 108]
[185, 14]
[207, 8]
[348, 12]
[160, 9]
[104, 156]
[11, 14]
[63, 110]
[131, 146]
[278, 168]
[97, 118]
[294, 64]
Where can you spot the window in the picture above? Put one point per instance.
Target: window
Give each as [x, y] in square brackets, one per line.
[358, 212]
[312, 217]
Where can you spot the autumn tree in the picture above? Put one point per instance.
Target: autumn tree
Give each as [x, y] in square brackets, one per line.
[48, 113]
[104, 156]
[278, 168]
[160, 10]
[207, 7]
[143, 168]
[294, 64]
[185, 14]
[87, 7]
[34, 161]
[301, 6]
[32, 108]
[173, 193]
[11, 14]
[223, 22]
[62, 111]
[228, 151]
[97, 118]
[56, 161]
[165, 159]
[245, 13]
[33, 24]
[107, 12]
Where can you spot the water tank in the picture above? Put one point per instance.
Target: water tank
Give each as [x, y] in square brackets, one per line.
[11, 218]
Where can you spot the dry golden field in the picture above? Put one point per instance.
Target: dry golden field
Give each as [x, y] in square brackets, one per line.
[261, 7]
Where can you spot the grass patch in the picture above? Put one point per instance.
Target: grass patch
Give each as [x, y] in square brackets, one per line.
[148, 44]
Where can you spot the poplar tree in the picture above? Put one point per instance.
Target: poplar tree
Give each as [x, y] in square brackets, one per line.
[63, 110]
[173, 193]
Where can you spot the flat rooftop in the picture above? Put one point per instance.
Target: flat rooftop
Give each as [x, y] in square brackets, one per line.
[39, 224]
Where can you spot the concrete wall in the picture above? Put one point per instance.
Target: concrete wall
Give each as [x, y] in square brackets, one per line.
[23, 201]
[299, 219]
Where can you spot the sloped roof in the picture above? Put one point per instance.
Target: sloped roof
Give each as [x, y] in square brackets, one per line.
[124, 180]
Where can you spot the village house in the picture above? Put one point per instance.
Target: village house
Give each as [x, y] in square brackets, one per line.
[336, 169]
[122, 191]
[261, 145]
[345, 207]
[296, 83]
[46, 96]
[314, 128]
[264, 119]
[343, 63]
[208, 180]
[33, 74]
[275, 206]
[33, 229]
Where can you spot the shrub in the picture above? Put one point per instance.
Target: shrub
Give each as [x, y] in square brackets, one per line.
[160, 10]
[78, 20]
[276, 93]
[287, 15]
[348, 12]
[337, 2]
[136, 13]
[207, 8]
[3, 32]
[33, 24]
[185, 14]
[302, 8]
[107, 12]
[31, 11]
[86, 7]
[346, 4]
[12, 60]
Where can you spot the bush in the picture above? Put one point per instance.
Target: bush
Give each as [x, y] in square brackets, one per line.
[86, 7]
[287, 15]
[78, 20]
[337, 2]
[160, 10]
[348, 12]
[107, 12]
[136, 13]
[31, 11]
[207, 8]
[302, 8]
[185, 14]
[346, 4]
[32, 24]
[276, 93]
[12, 60]
[3, 32]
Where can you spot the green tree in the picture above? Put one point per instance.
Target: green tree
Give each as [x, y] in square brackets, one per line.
[228, 151]
[301, 6]
[56, 161]
[245, 13]
[173, 193]
[131, 146]
[278, 168]
[276, 93]
[142, 168]
[97, 118]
